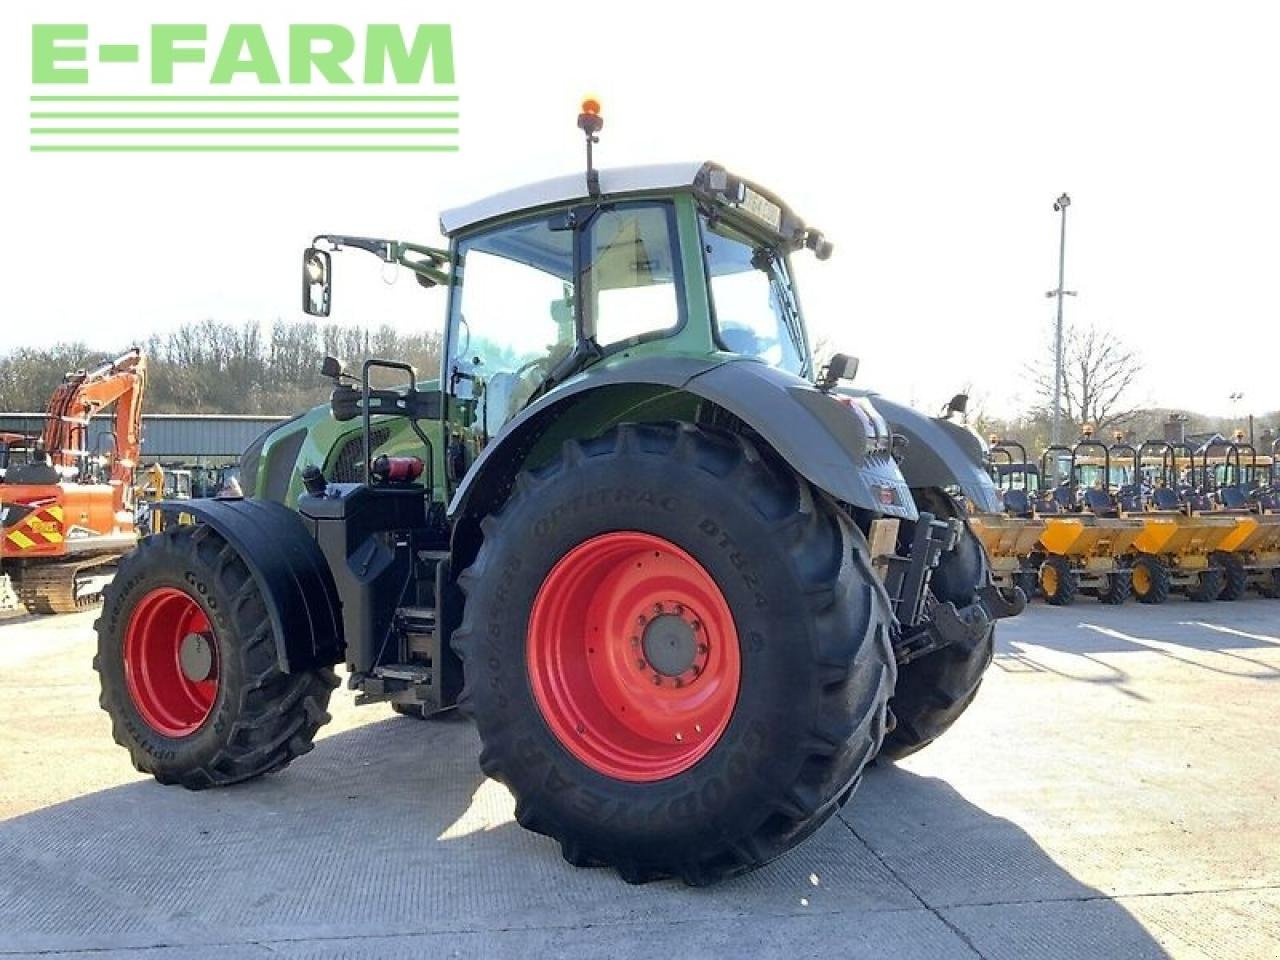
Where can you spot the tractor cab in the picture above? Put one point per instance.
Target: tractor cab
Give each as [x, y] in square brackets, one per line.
[553, 278]
[681, 259]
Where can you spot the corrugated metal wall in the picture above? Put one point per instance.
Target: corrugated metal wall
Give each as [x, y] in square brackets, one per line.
[167, 436]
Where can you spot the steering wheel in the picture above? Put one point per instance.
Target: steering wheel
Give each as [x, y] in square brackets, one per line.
[533, 364]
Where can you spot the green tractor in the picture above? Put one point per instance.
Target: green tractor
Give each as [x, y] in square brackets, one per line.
[687, 585]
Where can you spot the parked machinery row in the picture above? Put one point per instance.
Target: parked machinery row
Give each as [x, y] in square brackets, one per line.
[1115, 520]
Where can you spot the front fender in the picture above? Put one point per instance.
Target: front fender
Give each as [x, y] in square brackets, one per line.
[816, 434]
[285, 562]
[941, 454]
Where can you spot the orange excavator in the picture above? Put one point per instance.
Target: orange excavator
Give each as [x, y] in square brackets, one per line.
[67, 514]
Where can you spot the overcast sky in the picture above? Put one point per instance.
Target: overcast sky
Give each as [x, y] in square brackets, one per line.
[927, 140]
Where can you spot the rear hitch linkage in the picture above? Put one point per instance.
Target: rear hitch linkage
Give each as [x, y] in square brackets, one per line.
[927, 626]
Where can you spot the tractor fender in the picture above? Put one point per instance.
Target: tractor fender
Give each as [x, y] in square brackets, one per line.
[289, 569]
[822, 439]
[941, 454]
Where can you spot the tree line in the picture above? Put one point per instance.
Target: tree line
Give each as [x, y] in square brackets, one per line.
[213, 367]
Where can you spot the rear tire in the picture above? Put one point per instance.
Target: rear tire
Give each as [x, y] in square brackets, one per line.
[1151, 580]
[1209, 585]
[1270, 586]
[1029, 582]
[935, 690]
[1118, 589]
[1058, 581]
[1235, 576]
[245, 717]
[809, 626]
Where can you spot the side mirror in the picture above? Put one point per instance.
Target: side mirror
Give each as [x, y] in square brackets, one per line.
[331, 368]
[841, 366]
[317, 286]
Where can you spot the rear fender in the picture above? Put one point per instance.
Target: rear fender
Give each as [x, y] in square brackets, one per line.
[816, 434]
[289, 569]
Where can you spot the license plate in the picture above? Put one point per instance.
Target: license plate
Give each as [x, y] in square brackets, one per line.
[762, 208]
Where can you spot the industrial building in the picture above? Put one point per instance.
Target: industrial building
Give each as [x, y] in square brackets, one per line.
[205, 439]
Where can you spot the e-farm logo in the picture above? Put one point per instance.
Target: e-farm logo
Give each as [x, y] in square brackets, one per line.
[190, 87]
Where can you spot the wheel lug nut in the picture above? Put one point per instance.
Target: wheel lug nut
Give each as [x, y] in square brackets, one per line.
[697, 624]
[640, 664]
[635, 641]
[702, 648]
[657, 680]
[657, 608]
[641, 620]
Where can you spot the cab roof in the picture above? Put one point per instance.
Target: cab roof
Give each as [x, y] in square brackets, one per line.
[704, 177]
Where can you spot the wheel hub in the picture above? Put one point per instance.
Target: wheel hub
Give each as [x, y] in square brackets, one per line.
[195, 656]
[633, 656]
[171, 662]
[670, 645]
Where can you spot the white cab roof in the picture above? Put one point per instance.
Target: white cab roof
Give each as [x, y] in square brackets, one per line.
[664, 176]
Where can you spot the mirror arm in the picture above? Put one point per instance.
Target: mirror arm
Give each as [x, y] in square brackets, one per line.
[378, 247]
[433, 266]
[428, 269]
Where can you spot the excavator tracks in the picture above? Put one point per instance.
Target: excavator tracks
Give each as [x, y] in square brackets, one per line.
[64, 587]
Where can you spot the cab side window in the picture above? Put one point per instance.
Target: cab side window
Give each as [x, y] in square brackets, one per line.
[634, 273]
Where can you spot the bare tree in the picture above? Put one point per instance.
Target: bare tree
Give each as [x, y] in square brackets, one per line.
[1098, 375]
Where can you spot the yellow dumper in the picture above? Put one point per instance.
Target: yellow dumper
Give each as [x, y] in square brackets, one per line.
[1013, 549]
[1175, 551]
[1085, 554]
[1249, 555]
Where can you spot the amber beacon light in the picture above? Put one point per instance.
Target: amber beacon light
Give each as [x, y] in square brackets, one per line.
[590, 123]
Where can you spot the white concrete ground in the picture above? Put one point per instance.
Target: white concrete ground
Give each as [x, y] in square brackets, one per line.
[1112, 794]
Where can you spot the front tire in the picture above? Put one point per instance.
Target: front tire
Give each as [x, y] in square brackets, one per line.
[1058, 581]
[1028, 580]
[187, 662]
[676, 652]
[1151, 580]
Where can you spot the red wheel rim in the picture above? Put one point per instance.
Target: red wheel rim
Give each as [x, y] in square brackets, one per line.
[174, 697]
[633, 656]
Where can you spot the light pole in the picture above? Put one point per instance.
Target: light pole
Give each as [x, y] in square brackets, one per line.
[1060, 205]
[1235, 399]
